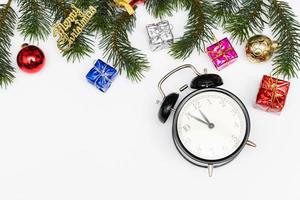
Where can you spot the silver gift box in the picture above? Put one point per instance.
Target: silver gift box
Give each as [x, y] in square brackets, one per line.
[160, 35]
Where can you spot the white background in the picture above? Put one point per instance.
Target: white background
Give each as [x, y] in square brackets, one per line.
[62, 139]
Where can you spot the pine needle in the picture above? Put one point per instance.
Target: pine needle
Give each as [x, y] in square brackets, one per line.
[35, 21]
[249, 20]
[198, 30]
[286, 30]
[118, 50]
[8, 19]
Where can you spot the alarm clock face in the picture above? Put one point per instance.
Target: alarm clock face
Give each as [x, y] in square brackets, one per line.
[211, 125]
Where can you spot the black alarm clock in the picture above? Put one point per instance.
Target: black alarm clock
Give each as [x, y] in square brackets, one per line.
[211, 126]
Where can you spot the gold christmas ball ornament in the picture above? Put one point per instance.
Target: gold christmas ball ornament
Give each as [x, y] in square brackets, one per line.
[260, 48]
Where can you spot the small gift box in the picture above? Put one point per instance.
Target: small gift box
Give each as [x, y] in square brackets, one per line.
[160, 35]
[102, 75]
[135, 2]
[222, 54]
[272, 94]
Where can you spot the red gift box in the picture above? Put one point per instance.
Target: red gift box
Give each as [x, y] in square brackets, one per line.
[272, 94]
[135, 2]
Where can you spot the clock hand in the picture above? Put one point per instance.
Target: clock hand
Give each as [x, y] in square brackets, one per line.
[204, 116]
[210, 125]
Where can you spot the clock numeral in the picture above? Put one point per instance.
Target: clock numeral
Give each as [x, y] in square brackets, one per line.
[209, 101]
[236, 125]
[199, 149]
[235, 139]
[197, 105]
[187, 142]
[234, 111]
[188, 115]
[186, 128]
[225, 148]
[222, 103]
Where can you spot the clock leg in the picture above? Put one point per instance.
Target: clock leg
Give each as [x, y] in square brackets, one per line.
[251, 144]
[210, 170]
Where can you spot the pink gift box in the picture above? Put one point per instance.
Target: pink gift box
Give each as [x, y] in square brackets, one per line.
[222, 54]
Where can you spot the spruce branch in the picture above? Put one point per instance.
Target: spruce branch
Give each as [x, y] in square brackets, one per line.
[35, 21]
[225, 9]
[8, 19]
[118, 50]
[103, 17]
[161, 8]
[58, 9]
[198, 30]
[82, 47]
[286, 30]
[249, 20]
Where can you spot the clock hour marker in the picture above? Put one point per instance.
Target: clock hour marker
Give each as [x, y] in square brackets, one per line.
[225, 148]
[212, 151]
[187, 141]
[234, 138]
[199, 149]
[234, 111]
[188, 115]
[236, 125]
[222, 103]
[197, 105]
[186, 128]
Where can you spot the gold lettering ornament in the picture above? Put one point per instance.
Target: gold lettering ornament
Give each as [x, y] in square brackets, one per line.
[126, 5]
[69, 30]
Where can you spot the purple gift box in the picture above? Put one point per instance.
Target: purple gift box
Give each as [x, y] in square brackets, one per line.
[222, 54]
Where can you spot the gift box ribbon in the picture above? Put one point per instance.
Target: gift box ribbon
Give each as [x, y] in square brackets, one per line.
[277, 90]
[102, 75]
[126, 4]
[160, 29]
[222, 51]
[272, 85]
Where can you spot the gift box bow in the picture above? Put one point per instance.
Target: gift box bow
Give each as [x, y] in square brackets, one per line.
[222, 49]
[162, 31]
[127, 4]
[103, 74]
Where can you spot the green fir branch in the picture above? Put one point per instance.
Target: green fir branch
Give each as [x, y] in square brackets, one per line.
[118, 49]
[81, 48]
[103, 17]
[8, 20]
[286, 30]
[58, 9]
[161, 8]
[249, 20]
[225, 10]
[198, 30]
[35, 21]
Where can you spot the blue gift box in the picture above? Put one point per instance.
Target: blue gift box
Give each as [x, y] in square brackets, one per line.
[102, 75]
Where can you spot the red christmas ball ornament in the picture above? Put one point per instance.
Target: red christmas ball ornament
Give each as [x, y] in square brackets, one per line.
[31, 59]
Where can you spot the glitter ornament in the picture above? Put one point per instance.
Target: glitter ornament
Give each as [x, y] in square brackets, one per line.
[260, 48]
